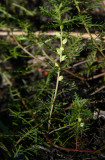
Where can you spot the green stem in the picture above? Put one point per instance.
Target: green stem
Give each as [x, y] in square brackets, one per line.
[61, 41]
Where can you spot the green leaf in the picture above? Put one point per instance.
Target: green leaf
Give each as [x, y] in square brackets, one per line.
[30, 13]
[5, 13]
[2, 146]
[65, 10]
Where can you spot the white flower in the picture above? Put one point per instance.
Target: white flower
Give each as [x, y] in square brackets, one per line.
[58, 51]
[56, 64]
[64, 41]
[60, 78]
[61, 48]
[63, 58]
[79, 119]
[81, 124]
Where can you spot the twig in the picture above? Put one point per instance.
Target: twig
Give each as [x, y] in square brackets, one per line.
[96, 76]
[66, 149]
[85, 79]
[81, 78]
[97, 90]
[79, 63]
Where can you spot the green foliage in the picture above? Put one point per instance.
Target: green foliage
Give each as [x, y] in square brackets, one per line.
[74, 122]
[36, 100]
[30, 13]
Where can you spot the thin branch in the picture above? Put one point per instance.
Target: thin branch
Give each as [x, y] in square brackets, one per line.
[97, 90]
[67, 149]
[96, 76]
[46, 54]
[79, 77]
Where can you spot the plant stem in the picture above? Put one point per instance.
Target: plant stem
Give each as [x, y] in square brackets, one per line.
[61, 41]
[58, 75]
[52, 106]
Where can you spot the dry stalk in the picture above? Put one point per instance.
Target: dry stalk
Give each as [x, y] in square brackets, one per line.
[15, 32]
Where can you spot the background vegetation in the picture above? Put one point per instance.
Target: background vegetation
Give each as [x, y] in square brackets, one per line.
[51, 82]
